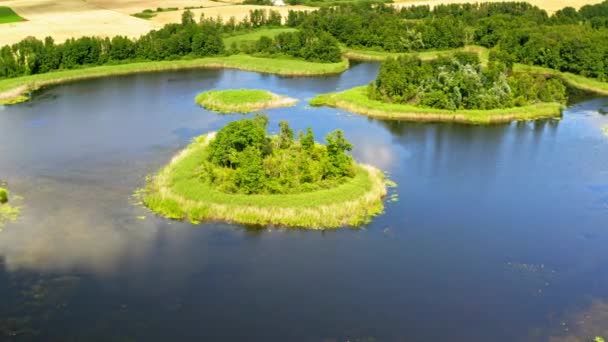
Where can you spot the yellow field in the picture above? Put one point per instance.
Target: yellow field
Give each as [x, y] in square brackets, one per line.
[548, 5]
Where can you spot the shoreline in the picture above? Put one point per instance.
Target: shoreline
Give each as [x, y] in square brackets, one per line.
[16, 90]
[352, 203]
[355, 100]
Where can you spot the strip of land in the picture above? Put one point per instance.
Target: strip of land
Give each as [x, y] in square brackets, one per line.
[356, 100]
[175, 194]
[242, 100]
[572, 80]
[14, 90]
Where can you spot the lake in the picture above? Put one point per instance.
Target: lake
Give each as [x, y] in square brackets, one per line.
[498, 233]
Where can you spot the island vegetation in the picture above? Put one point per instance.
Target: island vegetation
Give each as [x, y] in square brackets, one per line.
[454, 88]
[243, 175]
[242, 100]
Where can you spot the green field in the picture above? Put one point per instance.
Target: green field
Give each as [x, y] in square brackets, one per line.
[7, 15]
[356, 100]
[254, 35]
[241, 100]
[14, 90]
[176, 194]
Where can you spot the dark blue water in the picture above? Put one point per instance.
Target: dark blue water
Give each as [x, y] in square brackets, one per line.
[499, 233]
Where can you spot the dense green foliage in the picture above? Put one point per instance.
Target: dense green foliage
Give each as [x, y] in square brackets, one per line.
[242, 158]
[174, 41]
[460, 82]
[570, 40]
[7, 15]
[3, 195]
[574, 41]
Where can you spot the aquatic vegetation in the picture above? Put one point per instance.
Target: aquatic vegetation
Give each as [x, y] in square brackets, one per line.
[8, 211]
[201, 184]
[242, 100]
[605, 130]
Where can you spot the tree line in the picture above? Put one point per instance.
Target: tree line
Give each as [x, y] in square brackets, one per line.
[570, 40]
[460, 82]
[174, 41]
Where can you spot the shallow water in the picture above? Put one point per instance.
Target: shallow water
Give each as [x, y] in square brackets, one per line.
[498, 233]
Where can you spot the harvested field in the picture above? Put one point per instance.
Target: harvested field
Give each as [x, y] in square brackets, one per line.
[67, 18]
[548, 5]
[135, 6]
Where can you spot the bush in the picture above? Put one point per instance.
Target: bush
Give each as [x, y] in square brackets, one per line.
[3, 195]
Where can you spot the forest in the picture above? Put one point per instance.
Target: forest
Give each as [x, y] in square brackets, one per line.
[570, 40]
[460, 82]
[242, 158]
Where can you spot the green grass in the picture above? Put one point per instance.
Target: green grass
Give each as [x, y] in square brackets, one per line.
[241, 100]
[356, 100]
[13, 90]
[574, 81]
[7, 15]
[379, 56]
[176, 193]
[254, 35]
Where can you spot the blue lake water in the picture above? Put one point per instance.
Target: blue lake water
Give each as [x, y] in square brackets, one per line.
[499, 232]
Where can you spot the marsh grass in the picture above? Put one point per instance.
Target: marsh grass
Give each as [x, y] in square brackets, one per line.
[8, 211]
[242, 100]
[14, 90]
[175, 192]
[7, 15]
[356, 100]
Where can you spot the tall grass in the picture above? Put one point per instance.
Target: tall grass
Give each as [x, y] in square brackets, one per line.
[176, 193]
[7, 15]
[14, 90]
[356, 100]
[242, 100]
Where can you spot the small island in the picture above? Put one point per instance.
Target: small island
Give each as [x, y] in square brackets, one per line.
[454, 88]
[242, 100]
[240, 174]
[8, 212]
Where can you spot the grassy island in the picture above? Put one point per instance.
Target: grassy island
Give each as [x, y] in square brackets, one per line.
[7, 211]
[455, 88]
[243, 175]
[242, 100]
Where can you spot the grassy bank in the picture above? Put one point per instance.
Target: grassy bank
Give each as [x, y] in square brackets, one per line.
[379, 56]
[356, 100]
[574, 81]
[176, 194]
[242, 100]
[14, 90]
[7, 15]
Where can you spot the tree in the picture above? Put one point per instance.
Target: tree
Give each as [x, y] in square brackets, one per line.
[285, 135]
